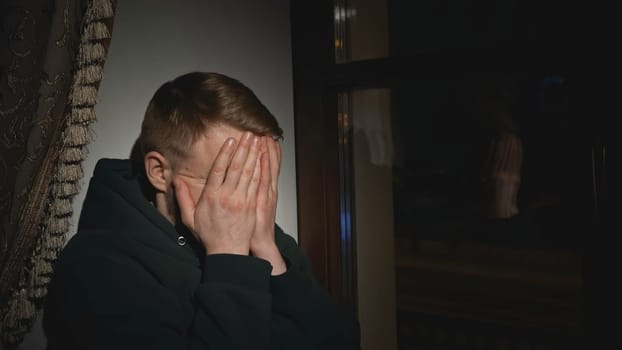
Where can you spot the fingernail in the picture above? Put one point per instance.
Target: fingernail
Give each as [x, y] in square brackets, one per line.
[230, 141]
[255, 141]
[248, 135]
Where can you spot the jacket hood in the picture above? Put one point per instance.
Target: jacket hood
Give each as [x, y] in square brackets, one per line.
[117, 201]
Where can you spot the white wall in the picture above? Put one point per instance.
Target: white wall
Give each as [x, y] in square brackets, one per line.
[156, 40]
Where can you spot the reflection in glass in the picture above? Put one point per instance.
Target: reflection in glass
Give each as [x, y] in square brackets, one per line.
[470, 198]
[361, 30]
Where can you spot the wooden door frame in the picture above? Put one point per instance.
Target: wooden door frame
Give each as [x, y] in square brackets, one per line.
[316, 144]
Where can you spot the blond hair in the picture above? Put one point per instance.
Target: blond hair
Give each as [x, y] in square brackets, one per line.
[181, 110]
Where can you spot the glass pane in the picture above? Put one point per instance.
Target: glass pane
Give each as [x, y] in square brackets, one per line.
[372, 158]
[368, 29]
[430, 25]
[361, 30]
[469, 196]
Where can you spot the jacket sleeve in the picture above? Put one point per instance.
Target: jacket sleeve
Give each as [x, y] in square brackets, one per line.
[304, 315]
[121, 306]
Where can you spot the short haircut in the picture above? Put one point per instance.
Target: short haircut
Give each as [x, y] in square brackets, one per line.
[181, 110]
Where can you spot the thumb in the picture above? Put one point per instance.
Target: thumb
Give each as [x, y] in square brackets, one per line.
[186, 206]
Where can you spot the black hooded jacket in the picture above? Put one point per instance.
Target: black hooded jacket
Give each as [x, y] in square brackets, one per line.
[124, 282]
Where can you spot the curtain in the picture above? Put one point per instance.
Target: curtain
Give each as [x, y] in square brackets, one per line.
[51, 63]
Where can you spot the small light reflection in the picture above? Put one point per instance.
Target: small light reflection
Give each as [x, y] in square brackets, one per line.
[343, 13]
[346, 220]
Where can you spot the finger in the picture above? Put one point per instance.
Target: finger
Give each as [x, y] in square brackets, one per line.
[273, 154]
[218, 171]
[507, 153]
[237, 163]
[279, 153]
[265, 182]
[255, 180]
[248, 168]
[263, 144]
[184, 201]
[498, 156]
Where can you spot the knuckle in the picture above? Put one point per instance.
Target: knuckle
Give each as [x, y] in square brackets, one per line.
[219, 169]
[248, 172]
[210, 196]
[235, 167]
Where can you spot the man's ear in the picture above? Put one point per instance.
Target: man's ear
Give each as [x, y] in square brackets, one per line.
[158, 170]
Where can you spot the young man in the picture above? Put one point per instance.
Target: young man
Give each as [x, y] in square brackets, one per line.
[179, 250]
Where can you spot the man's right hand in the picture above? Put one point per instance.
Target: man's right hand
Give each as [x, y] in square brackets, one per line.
[223, 219]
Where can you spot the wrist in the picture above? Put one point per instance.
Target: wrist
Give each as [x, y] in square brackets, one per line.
[237, 250]
[272, 254]
[263, 247]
